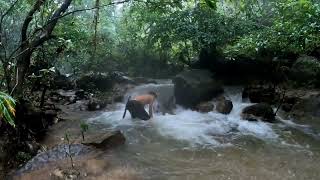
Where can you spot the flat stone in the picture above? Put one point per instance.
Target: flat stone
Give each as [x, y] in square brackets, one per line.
[105, 141]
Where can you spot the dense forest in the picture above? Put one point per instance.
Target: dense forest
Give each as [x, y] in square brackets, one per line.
[94, 47]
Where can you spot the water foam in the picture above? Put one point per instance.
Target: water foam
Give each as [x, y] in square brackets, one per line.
[194, 127]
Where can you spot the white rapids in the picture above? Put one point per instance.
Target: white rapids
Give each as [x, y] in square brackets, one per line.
[195, 128]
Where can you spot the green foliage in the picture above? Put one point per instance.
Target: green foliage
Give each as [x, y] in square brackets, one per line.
[84, 128]
[137, 36]
[295, 30]
[7, 108]
[23, 157]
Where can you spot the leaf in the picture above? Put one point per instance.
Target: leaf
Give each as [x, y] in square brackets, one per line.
[7, 108]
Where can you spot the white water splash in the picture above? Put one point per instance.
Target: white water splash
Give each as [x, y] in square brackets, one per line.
[191, 126]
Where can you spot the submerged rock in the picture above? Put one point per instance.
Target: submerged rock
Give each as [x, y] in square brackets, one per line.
[260, 111]
[195, 86]
[205, 107]
[105, 141]
[224, 106]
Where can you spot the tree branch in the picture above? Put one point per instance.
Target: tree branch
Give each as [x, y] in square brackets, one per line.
[1, 21]
[49, 27]
[86, 9]
[29, 18]
[10, 8]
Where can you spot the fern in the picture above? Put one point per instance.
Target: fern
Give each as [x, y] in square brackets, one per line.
[7, 108]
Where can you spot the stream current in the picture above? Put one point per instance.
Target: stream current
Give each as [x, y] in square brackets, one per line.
[203, 146]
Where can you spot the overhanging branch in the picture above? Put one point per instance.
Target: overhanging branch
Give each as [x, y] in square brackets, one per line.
[29, 18]
[86, 9]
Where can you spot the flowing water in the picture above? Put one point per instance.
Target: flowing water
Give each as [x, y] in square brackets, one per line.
[201, 146]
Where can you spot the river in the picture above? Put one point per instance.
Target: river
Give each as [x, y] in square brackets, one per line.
[203, 146]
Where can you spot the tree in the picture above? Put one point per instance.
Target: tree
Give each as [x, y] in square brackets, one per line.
[39, 36]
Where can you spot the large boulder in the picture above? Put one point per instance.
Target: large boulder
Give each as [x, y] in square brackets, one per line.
[224, 106]
[105, 141]
[305, 70]
[260, 111]
[195, 86]
[95, 81]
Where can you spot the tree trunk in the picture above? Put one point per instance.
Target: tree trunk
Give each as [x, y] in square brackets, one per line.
[96, 22]
[27, 47]
[23, 64]
[43, 95]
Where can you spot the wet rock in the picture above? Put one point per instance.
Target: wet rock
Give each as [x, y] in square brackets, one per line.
[95, 104]
[63, 96]
[195, 86]
[307, 107]
[294, 100]
[261, 94]
[260, 111]
[55, 154]
[105, 141]
[80, 94]
[224, 106]
[120, 78]
[205, 107]
[61, 81]
[305, 70]
[95, 81]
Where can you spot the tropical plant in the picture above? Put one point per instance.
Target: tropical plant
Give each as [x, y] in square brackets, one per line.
[7, 108]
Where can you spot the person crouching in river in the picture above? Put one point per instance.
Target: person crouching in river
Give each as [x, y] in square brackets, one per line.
[136, 106]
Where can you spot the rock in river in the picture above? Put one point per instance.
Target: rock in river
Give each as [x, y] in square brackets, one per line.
[105, 141]
[195, 86]
[258, 111]
[224, 106]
